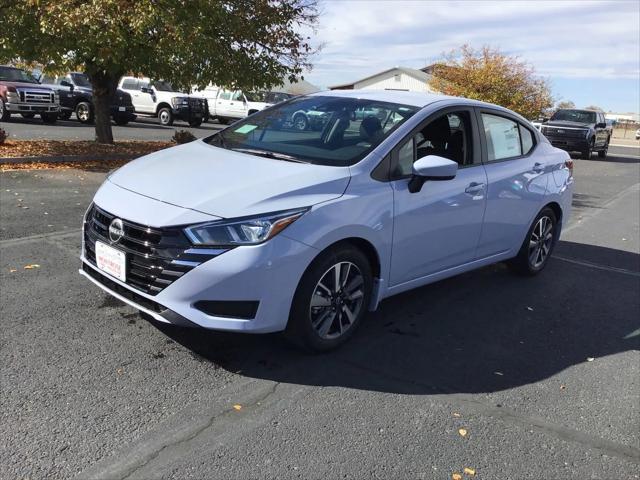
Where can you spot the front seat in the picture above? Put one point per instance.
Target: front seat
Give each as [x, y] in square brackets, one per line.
[371, 129]
[438, 133]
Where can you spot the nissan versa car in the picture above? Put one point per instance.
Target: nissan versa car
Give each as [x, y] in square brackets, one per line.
[264, 227]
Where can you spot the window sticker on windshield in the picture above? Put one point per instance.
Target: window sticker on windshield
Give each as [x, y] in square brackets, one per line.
[245, 128]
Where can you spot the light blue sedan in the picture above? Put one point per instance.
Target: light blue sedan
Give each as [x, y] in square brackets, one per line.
[264, 227]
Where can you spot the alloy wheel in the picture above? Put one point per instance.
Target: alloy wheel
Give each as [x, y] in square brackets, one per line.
[337, 300]
[164, 117]
[300, 123]
[540, 242]
[83, 112]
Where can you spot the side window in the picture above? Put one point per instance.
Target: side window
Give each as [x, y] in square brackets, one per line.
[237, 96]
[503, 137]
[527, 140]
[130, 84]
[49, 80]
[225, 95]
[447, 136]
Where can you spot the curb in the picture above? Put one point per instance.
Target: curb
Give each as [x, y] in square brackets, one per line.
[65, 158]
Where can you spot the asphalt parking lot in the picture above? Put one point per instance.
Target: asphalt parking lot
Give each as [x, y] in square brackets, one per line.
[543, 374]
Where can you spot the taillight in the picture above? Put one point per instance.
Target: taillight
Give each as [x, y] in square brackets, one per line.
[569, 164]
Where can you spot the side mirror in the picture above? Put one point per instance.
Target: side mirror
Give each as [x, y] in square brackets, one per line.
[431, 167]
[601, 125]
[146, 90]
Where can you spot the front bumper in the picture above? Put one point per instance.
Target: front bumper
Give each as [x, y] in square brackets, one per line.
[187, 113]
[122, 111]
[569, 144]
[267, 274]
[32, 108]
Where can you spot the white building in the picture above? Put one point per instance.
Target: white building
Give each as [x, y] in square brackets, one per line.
[623, 117]
[397, 78]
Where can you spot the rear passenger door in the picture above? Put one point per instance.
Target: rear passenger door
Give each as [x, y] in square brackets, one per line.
[517, 181]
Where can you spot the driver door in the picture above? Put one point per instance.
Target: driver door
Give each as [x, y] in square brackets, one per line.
[438, 227]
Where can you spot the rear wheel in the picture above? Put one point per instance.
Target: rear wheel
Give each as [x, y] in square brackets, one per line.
[538, 244]
[331, 299]
[120, 120]
[49, 118]
[165, 116]
[300, 122]
[195, 122]
[223, 121]
[84, 112]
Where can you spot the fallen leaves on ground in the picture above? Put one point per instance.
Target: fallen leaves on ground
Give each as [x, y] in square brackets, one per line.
[237, 407]
[31, 266]
[55, 148]
[590, 359]
[13, 270]
[469, 471]
[456, 476]
[456, 414]
[463, 432]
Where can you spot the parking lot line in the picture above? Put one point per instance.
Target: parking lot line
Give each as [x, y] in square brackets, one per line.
[597, 266]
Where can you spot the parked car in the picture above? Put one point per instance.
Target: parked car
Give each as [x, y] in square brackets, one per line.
[159, 99]
[638, 134]
[263, 228]
[21, 93]
[584, 131]
[230, 105]
[76, 97]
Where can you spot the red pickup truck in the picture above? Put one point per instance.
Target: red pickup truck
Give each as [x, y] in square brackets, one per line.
[21, 93]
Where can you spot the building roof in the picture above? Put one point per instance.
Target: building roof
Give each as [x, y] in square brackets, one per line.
[417, 74]
[403, 97]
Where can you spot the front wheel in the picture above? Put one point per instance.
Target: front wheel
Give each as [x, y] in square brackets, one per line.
[538, 244]
[331, 299]
[4, 113]
[300, 122]
[603, 153]
[120, 120]
[165, 116]
[66, 115]
[84, 112]
[586, 154]
[195, 122]
[49, 118]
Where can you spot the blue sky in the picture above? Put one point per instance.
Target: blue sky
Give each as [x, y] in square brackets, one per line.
[588, 50]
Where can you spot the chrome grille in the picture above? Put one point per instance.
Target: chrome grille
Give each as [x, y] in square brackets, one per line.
[36, 96]
[155, 257]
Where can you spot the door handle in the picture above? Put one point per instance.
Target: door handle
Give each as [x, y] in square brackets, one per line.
[538, 167]
[474, 188]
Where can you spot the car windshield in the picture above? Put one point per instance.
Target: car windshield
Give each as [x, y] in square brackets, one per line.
[9, 74]
[81, 80]
[580, 116]
[163, 86]
[322, 130]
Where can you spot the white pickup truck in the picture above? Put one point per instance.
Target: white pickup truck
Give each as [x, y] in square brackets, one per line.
[159, 99]
[230, 105]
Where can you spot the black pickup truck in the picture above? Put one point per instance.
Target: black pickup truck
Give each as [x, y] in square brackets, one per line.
[76, 96]
[583, 131]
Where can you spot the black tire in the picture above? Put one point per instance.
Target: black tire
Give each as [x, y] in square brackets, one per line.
[300, 122]
[84, 112]
[49, 118]
[223, 121]
[603, 153]
[165, 115]
[195, 122]
[66, 115]
[586, 154]
[523, 262]
[338, 326]
[28, 115]
[4, 113]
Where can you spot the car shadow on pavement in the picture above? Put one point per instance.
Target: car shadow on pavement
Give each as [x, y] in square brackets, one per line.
[483, 331]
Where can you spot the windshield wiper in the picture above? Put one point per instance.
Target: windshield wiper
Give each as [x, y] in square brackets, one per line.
[269, 154]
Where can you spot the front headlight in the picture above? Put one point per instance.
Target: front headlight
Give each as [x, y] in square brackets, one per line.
[179, 101]
[248, 231]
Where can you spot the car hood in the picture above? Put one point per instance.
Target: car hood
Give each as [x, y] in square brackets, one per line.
[565, 123]
[25, 85]
[229, 184]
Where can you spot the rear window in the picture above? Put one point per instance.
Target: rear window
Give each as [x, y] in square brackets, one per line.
[130, 84]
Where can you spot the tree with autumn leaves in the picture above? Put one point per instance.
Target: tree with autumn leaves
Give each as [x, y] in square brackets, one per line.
[491, 76]
[248, 44]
